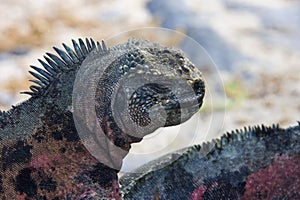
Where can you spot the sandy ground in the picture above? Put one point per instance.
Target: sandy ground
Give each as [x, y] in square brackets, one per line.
[261, 83]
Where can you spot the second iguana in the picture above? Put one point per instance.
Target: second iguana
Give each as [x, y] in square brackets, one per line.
[258, 162]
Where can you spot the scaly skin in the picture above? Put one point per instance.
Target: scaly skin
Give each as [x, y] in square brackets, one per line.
[42, 153]
[254, 163]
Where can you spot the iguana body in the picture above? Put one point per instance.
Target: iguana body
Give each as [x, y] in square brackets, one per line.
[254, 163]
[42, 155]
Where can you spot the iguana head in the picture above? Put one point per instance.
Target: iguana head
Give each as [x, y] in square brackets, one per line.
[143, 86]
[160, 87]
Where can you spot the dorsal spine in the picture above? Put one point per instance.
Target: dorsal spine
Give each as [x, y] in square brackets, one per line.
[66, 60]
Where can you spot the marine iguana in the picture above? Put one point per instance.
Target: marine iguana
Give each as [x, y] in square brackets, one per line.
[42, 153]
[258, 162]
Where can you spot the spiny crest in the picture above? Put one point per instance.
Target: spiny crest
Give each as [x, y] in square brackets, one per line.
[66, 59]
[246, 134]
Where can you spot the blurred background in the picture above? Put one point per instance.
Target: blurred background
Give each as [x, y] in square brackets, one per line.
[255, 47]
